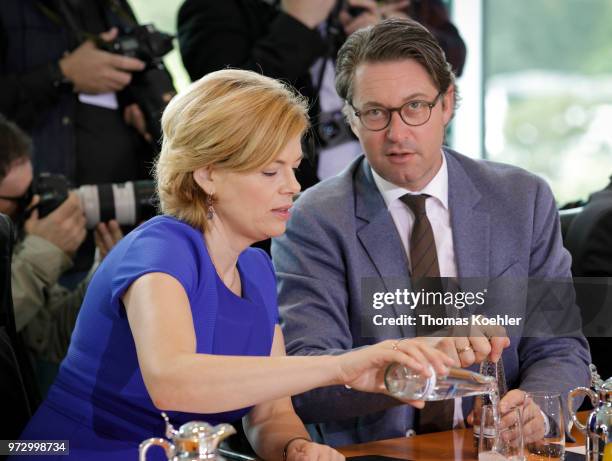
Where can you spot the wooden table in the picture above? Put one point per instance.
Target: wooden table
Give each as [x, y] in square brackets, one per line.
[451, 445]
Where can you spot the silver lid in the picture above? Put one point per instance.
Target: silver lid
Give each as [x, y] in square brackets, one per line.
[197, 439]
[195, 430]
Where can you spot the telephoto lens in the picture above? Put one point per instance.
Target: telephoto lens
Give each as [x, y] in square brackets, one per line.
[129, 203]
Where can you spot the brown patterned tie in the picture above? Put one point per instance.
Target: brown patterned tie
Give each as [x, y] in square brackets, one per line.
[423, 255]
[438, 415]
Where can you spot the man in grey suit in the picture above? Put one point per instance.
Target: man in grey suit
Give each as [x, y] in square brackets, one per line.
[483, 219]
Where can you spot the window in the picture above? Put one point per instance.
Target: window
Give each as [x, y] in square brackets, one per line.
[163, 14]
[548, 90]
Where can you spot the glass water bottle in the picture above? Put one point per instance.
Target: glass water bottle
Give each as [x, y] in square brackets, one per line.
[404, 383]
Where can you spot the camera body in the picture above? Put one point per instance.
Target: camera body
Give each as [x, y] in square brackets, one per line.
[343, 5]
[129, 203]
[415, 5]
[332, 129]
[53, 191]
[142, 42]
[149, 88]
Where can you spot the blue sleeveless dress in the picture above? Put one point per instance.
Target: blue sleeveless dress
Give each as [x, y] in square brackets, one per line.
[99, 402]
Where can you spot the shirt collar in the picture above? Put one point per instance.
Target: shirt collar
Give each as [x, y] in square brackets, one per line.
[437, 187]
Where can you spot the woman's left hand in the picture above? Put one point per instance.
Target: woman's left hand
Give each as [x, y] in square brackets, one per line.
[302, 450]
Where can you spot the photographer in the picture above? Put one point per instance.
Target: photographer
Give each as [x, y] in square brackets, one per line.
[74, 97]
[71, 96]
[45, 312]
[297, 41]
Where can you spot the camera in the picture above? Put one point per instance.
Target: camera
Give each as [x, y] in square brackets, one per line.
[415, 5]
[149, 88]
[142, 42]
[129, 203]
[335, 30]
[343, 5]
[332, 129]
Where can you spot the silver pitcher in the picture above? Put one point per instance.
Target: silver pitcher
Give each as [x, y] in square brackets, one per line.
[598, 429]
[195, 440]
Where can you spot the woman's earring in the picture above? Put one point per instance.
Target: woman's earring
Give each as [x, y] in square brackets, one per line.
[209, 204]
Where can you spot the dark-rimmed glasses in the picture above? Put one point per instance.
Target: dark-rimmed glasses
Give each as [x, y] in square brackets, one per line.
[412, 113]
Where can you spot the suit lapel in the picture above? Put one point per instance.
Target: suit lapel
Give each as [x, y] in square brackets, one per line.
[378, 234]
[379, 238]
[470, 225]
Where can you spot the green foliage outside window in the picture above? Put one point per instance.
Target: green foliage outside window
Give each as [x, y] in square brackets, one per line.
[548, 66]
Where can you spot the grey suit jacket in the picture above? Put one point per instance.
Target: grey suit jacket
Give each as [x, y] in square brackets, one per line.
[504, 223]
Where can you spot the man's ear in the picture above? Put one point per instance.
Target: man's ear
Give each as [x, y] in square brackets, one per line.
[448, 104]
[203, 176]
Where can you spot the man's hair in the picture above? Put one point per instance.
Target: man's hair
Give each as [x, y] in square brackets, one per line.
[231, 119]
[15, 146]
[391, 40]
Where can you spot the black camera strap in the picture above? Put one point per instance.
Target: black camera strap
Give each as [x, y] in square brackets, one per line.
[64, 17]
[117, 8]
[333, 32]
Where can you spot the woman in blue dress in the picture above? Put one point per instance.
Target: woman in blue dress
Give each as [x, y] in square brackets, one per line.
[181, 316]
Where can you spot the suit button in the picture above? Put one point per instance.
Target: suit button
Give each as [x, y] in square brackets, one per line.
[410, 433]
[65, 121]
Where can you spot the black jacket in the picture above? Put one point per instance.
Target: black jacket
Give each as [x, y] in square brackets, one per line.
[251, 35]
[589, 240]
[589, 237]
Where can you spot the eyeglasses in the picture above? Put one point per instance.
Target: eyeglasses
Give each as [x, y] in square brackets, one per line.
[413, 113]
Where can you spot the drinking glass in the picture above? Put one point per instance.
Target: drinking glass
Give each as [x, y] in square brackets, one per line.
[550, 446]
[503, 442]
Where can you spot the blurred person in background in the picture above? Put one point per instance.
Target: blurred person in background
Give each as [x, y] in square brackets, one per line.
[45, 312]
[297, 41]
[589, 240]
[75, 99]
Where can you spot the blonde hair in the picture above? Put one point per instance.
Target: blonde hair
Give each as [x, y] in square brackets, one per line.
[230, 119]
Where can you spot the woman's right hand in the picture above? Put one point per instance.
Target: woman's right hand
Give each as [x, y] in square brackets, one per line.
[364, 369]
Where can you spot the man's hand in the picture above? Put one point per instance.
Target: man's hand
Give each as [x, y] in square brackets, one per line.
[394, 9]
[96, 71]
[372, 14]
[369, 17]
[534, 424]
[311, 13]
[474, 344]
[133, 116]
[106, 236]
[64, 227]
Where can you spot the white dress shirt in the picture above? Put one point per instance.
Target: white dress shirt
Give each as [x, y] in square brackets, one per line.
[439, 217]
